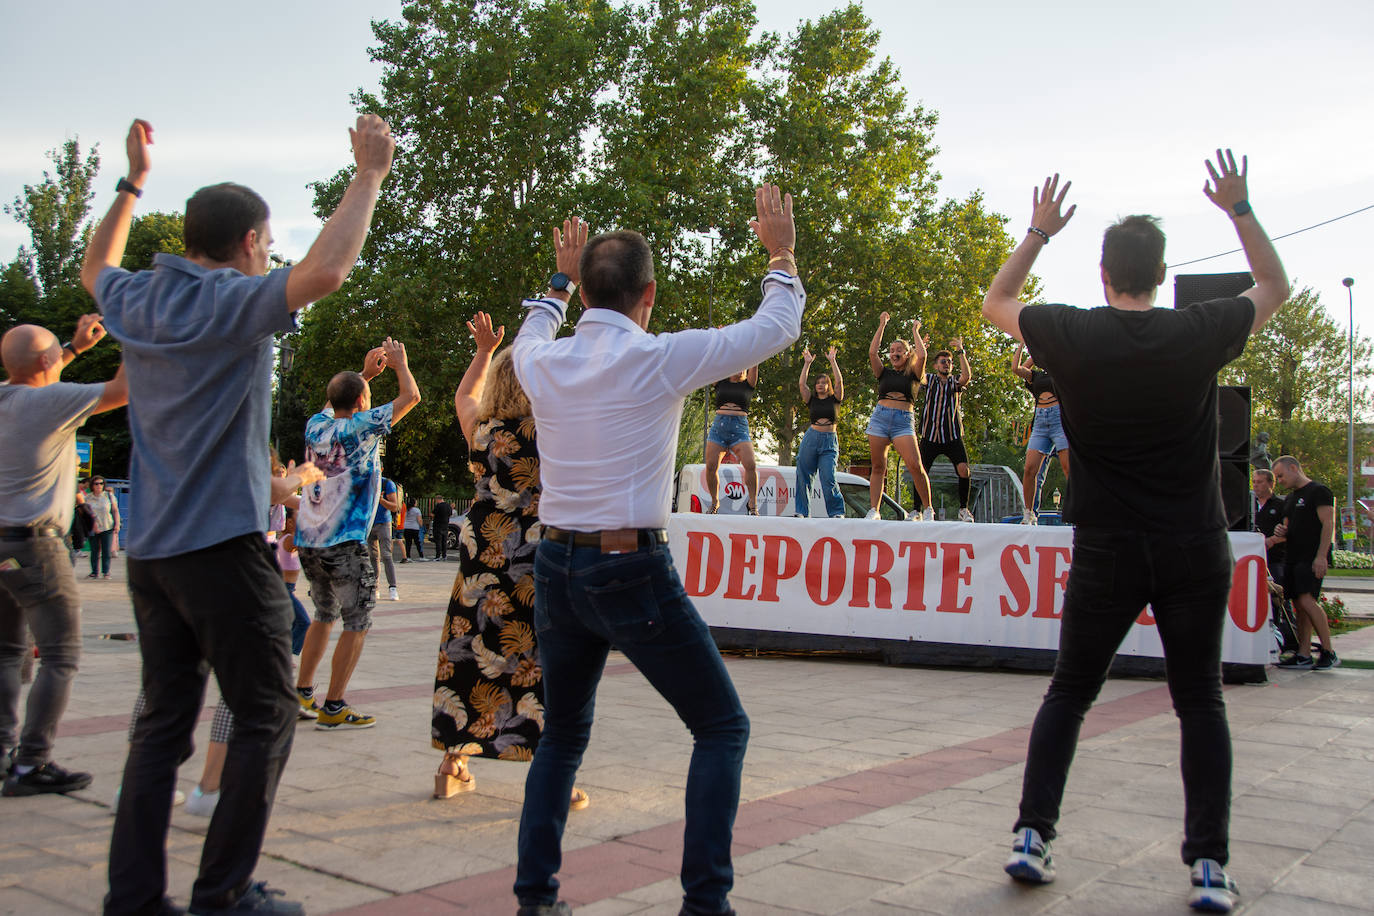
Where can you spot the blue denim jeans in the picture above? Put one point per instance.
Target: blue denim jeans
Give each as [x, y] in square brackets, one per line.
[1186, 579]
[818, 453]
[585, 601]
[728, 431]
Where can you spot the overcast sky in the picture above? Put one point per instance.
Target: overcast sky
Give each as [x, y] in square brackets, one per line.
[1126, 101]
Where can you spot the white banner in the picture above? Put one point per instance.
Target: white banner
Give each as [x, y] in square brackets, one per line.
[939, 582]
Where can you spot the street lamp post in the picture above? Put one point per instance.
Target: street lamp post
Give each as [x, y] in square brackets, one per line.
[1350, 425]
[286, 356]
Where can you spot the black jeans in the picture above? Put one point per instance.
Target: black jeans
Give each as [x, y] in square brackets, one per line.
[413, 537]
[1186, 580]
[223, 608]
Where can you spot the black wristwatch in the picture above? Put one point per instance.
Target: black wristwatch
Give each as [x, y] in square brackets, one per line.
[1241, 208]
[70, 346]
[125, 185]
[562, 283]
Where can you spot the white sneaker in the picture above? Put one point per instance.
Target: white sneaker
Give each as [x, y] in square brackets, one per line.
[965, 515]
[393, 594]
[202, 804]
[1028, 518]
[872, 513]
[1213, 891]
[928, 514]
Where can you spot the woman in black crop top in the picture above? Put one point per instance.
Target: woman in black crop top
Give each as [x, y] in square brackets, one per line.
[730, 432]
[820, 447]
[891, 422]
[1047, 432]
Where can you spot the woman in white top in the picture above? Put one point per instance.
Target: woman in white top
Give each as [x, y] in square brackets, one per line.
[105, 510]
[412, 529]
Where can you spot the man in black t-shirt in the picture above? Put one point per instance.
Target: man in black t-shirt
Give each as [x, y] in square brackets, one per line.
[1268, 515]
[440, 513]
[1135, 382]
[1308, 528]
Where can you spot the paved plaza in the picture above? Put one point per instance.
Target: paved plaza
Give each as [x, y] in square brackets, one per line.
[867, 790]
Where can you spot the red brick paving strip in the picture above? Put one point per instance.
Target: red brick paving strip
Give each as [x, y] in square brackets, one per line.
[636, 860]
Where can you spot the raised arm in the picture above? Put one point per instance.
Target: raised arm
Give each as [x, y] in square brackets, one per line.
[327, 264]
[106, 247]
[1231, 195]
[409, 394]
[752, 376]
[469, 393]
[837, 382]
[1001, 305]
[956, 345]
[805, 375]
[917, 357]
[1022, 370]
[875, 361]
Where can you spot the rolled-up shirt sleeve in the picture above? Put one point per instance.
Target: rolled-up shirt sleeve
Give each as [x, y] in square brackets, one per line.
[697, 357]
[543, 318]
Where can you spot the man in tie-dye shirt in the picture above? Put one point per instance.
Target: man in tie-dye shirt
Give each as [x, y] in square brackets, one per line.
[336, 514]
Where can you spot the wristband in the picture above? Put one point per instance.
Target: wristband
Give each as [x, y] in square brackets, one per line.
[958, 352]
[70, 346]
[1241, 208]
[1040, 232]
[124, 185]
[786, 248]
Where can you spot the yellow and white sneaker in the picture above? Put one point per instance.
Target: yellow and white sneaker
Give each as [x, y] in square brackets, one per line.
[345, 718]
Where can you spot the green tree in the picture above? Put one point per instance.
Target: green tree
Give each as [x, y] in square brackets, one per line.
[1297, 369]
[55, 212]
[150, 234]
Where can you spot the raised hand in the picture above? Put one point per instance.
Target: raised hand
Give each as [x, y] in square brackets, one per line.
[956, 343]
[137, 143]
[1230, 188]
[1047, 203]
[774, 225]
[373, 363]
[884, 318]
[395, 353]
[486, 339]
[831, 354]
[373, 145]
[303, 474]
[916, 330]
[567, 248]
[88, 332]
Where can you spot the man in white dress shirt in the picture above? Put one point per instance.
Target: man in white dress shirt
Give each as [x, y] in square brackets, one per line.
[607, 402]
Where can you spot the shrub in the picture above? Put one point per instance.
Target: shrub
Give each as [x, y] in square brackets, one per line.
[1352, 560]
[1334, 608]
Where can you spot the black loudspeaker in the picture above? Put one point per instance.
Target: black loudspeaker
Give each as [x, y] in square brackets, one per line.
[1190, 289]
[1233, 448]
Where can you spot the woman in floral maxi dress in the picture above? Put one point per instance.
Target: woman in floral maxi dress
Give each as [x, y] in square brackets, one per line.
[488, 688]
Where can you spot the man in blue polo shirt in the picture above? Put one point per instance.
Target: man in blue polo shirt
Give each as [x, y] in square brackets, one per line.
[197, 335]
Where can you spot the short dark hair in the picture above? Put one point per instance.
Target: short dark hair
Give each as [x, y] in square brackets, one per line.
[344, 390]
[617, 267]
[218, 217]
[1132, 254]
[941, 353]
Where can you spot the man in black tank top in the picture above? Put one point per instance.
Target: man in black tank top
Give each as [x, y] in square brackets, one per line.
[1140, 537]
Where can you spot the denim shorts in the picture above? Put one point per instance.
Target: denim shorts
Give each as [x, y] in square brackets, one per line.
[1047, 432]
[727, 431]
[890, 423]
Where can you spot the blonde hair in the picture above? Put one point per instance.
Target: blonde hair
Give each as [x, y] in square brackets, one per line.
[502, 397]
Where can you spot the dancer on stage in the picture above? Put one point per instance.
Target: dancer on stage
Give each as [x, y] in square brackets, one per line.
[820, 446]
[730, 430]
[489, 687]
[1140, 537]
[891, 422]
[942, 419]
[1047, 431]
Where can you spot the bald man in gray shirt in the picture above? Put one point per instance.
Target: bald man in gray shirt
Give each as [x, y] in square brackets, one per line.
[40, 414]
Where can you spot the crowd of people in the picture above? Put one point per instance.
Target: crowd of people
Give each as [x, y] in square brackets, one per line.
[558, 559]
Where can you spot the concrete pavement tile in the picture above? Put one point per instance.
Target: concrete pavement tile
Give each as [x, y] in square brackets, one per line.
[807, 890]
[1293, 834]
[1095, 846]
[1256, 804]
[769, 856]
[936, 835]
[881, 817]
[957, 895]
[871, 859]
[1120, 900]
[613, 906]
[1285, 905]
[978, 813]
[1070, 873]
[873, 908]
[1330, 885]
[405, 905]
[1356, 831]
[668, 890]
[1341, 856]
[23, 903]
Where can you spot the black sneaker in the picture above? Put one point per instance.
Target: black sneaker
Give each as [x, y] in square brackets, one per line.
[1326, 661]
[49, 778]
[1297, 661]
[259, 898]
[545, 909]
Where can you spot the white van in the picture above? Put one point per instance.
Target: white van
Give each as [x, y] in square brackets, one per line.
[777, 493]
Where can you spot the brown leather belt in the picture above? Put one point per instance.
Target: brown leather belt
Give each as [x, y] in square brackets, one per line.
[617, 540]
[30, 531]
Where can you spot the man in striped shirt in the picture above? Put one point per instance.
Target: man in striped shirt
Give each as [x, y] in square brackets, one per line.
[942, 420]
